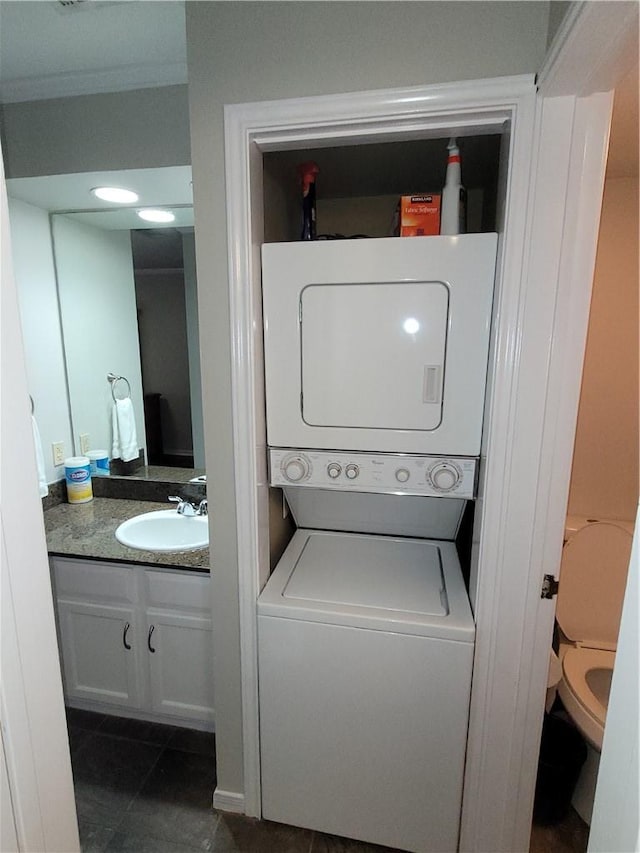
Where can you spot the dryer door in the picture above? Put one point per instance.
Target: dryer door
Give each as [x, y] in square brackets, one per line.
[373, 355]
[378, 345]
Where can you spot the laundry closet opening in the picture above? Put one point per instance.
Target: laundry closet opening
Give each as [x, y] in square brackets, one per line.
[358, 191]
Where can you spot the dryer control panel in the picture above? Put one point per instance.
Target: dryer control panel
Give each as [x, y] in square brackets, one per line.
[387, 473]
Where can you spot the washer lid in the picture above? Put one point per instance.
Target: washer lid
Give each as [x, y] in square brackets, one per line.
[595, 561]
[383, 583]
[367, 571]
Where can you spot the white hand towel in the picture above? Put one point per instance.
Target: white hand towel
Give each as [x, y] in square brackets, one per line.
[125, 440]
[37, 442]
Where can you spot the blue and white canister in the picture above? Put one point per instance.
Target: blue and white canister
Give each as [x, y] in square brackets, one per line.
[77, 474]
[99, 462]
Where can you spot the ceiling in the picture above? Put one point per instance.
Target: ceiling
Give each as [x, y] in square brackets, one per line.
[58, 48]
[167, 186]
[156, 246]
[55, 49]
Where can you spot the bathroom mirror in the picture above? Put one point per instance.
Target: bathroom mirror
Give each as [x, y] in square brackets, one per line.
[128, 308]
[126, 291]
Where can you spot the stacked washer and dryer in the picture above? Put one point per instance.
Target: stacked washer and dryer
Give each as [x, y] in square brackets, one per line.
[375, 372]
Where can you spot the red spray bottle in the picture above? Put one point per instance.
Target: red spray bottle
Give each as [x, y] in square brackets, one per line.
[307, 173]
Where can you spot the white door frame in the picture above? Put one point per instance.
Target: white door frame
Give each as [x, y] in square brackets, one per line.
[594, 48]
[34, 732]
[253, 128]
[557, 167]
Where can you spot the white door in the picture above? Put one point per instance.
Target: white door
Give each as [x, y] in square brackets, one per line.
[34, 735]
[573, 123]
[180, 658]
[100, 652]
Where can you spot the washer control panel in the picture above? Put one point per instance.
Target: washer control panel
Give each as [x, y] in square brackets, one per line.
[434, 476]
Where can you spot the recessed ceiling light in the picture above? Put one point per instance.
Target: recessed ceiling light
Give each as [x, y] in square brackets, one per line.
[151, 215]
[115, 194]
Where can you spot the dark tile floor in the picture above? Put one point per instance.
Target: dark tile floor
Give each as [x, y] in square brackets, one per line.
[569, 836]
[146, 788]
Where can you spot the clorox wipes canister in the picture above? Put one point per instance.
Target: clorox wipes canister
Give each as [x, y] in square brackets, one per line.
[77, 474]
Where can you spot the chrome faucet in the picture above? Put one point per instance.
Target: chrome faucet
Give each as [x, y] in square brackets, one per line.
[187, 508]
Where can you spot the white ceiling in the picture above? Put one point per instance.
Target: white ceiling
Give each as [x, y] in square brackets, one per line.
[155, 187]
[52, 50]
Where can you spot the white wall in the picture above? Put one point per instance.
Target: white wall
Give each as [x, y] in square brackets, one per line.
[36, 284]
[98, 306]
[604, 478]
[252, 51]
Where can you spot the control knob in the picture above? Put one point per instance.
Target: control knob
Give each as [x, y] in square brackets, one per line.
[334, 470]
[402, 475]
[296, 468]
[351, 471]
[444, 476]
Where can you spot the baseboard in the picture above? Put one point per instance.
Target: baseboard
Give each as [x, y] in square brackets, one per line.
[136, 714]
[228, 801]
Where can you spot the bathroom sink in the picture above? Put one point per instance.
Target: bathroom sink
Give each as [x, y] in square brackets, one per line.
[163, 531]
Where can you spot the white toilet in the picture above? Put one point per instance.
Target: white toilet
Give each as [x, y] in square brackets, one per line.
[595, 561]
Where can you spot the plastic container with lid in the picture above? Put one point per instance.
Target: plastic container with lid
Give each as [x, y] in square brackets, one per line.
[99, 462]
[77, 474]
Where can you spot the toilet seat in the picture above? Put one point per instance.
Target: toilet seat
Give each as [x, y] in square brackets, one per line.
[592, 584]
[586, 709]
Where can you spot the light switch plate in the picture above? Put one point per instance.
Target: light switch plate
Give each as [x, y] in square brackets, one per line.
[57, 449]
[85, 444]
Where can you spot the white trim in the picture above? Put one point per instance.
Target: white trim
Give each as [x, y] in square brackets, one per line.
[74, 83]
[422, 111]
[564, 214]
[34, 733]
[595, 45]
[228, 801]
[578, 66]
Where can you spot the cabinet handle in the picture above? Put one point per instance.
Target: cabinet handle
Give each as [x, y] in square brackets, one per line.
[150, 647]
[124, 636]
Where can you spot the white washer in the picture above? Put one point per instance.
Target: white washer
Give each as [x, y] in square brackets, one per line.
[365, 659]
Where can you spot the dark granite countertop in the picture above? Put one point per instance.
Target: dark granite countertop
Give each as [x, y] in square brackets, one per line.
[88, 530]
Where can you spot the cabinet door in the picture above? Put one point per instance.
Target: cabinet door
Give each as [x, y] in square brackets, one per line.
[100, 652]
[179, 648]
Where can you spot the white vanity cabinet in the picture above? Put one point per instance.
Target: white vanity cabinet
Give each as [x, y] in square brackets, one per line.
[135, 638]
[179, 644]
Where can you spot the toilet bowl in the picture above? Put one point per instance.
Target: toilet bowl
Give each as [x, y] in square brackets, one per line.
[584, 690]
[593, 577]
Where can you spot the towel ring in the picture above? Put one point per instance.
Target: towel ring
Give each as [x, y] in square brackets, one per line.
[113, 379]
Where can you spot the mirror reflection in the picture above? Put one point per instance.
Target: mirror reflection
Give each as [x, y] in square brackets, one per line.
[126, 290]
[128, 308]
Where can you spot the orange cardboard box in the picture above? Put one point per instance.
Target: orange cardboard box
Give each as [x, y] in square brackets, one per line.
[419, 215]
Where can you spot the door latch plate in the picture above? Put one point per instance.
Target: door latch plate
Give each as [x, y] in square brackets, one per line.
[549, 587]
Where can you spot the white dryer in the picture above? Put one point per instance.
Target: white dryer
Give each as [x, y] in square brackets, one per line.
[365, 659]
[378, 345]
